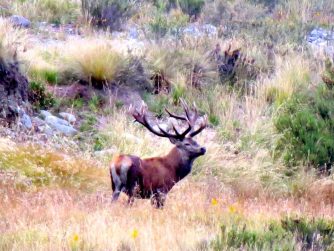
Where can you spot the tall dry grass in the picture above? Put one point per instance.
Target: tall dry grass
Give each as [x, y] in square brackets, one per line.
[71, 220]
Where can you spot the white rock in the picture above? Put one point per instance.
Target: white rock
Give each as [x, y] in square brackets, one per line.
[68, 116]
[55, 120]
[26, 121]
[20, 21]
[45, 114]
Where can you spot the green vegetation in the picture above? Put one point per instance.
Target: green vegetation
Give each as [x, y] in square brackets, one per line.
[53, 11]
[37, 167]
[288, 234]
[108, 13]
[39, 97]
[307, 125]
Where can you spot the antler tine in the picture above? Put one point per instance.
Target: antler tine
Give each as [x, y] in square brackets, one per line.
[140, 117]
[203, 125]
[175, 116]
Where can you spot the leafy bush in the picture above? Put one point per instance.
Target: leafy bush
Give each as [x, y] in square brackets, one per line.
[108, 13]
[39, 97]
[306, 122]
[191, 7]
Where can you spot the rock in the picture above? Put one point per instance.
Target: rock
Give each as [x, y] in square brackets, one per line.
[45, 114]
[133, 33]
[322, 41]
[106, 152]
[50, 120]
[37, 122]
[20, 21]
[68, 116]
[63, 129]
[26, 121]
[197, 30]
[46, 129]
[60, 125]
[13, 92]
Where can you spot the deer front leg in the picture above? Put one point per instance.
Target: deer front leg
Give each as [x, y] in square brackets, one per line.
[158, 199]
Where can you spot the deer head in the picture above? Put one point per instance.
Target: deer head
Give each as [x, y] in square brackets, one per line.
[183, 141]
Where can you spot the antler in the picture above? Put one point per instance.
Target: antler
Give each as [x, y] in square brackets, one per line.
[191, 116]
[140, 116]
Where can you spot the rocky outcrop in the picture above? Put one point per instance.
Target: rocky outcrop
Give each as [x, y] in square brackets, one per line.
[50, 124]
[20, 21]
[322, 40]
[13, 92]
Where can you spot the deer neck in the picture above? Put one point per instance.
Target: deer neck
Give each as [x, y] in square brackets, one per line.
[180, 161]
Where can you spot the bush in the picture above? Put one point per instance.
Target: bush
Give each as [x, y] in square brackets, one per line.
[38, 96]
[162, 23]
[192, 7]
[285, 235]
[306, 122]
[108, 13]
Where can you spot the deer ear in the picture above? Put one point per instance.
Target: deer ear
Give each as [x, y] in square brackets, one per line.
[173, 141]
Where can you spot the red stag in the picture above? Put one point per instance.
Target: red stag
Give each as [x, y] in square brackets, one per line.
[154, 177]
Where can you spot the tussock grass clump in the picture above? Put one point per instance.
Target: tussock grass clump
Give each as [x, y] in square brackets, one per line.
[95, 61]
[44, 65]
[11, 40]
[184, 67]
[292, 74]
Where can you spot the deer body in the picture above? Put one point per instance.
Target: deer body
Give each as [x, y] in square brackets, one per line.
[154, 177]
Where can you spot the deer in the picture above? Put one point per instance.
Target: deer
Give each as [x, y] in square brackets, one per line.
[153, 178]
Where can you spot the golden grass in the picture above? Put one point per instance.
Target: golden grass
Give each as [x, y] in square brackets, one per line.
[31, 166]
[66, 220]
[95, 58]
[11, 40]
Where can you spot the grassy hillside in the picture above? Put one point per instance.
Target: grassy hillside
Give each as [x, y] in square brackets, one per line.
[266, 181]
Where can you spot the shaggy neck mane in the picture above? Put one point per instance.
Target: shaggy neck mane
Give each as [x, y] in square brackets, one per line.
[180, 162]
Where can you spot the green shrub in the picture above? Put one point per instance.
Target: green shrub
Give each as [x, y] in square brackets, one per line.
[285, 235]
[191, 7]
[108, 13]
[163, 23]
[39, 97]
[88, 123]
[95, 103]
[156, 103]
[306, 123]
